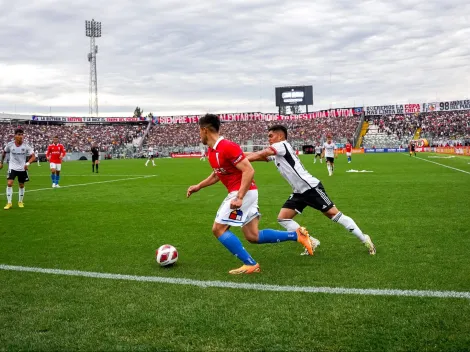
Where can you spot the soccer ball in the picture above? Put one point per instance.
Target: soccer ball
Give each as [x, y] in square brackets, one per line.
[166, 255]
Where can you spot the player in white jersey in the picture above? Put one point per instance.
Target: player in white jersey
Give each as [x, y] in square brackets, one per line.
[318, 153]
[329, 152]
[308, 191]
[36, 155]
[150, 156]
[203, 155]
[17, 167]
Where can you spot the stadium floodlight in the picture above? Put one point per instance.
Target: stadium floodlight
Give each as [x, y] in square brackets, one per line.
[93, 30]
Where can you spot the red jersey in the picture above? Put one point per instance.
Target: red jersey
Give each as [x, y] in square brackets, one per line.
[223, 157]
[54, 151]
[348, 147]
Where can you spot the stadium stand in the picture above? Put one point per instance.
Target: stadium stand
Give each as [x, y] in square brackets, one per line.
[74, 137]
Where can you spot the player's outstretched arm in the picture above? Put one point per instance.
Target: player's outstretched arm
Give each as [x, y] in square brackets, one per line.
[212, 179]
[262, 155]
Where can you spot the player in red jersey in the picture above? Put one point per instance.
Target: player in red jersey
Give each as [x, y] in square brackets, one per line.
[55, 153]
[240, 207]
[348, 151]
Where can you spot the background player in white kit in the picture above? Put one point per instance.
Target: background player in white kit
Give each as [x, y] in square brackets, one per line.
[318, 152]
[36, 155]
[17, 167]
[203, 154]
[329, 152]
[150, 156]
[308, 191]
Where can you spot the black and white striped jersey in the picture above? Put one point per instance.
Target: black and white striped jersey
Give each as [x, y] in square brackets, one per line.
[291, 168]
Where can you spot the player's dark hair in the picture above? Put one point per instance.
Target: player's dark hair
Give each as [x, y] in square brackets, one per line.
[277, 128]
[56, 137]
[19, 130]
[211, 121]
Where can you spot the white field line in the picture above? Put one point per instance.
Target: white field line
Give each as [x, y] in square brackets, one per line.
[449, 167]
[84, 184]
[243, 286]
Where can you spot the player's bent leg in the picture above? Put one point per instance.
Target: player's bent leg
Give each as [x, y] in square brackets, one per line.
[235, 246]
[349, 224]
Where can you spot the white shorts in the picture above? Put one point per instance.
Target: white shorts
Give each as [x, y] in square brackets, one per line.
[238, 217]
[348, 153]
[56, 166]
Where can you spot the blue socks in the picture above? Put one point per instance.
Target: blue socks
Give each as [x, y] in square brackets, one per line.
[349, 158]
[55, 178]
[273, 236]
[233, 244]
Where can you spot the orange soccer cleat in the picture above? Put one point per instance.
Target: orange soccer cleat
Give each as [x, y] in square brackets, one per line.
[304, 238]
[246, 269]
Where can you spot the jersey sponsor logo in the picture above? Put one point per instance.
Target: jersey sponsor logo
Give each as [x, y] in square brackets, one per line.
[237, 160]
[220, 170]
[236, 215]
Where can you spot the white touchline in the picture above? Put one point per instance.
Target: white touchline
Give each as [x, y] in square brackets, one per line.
[243, 286]
[83, 184]
[449, 167]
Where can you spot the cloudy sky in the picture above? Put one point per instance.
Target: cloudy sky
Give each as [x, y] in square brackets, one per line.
[183, 57]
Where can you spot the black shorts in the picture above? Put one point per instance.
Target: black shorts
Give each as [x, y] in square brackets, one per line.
[319, 155]
[22, 176]
[150, 156]
[95, 158]
[331, 160]
[315, 198]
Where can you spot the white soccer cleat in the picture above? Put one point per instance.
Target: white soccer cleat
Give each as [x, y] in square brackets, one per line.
[53, 185]
[57, 186]
[369, 245]
[315, 243]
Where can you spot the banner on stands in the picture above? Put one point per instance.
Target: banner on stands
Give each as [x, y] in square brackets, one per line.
[257, 116]
[452, 105]
[87, 119]
[398, 109]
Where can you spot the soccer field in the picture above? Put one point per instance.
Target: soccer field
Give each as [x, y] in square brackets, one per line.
[417, 212]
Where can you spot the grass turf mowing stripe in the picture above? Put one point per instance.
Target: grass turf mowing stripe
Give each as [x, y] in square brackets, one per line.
[243, 286]
[85, 184]
[449, 167]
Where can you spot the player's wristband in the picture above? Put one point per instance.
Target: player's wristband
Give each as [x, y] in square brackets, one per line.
[27, 164]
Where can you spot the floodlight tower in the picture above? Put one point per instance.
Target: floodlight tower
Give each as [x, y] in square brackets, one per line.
[93, 30]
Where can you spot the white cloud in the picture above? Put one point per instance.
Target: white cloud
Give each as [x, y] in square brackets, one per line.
[181, 56]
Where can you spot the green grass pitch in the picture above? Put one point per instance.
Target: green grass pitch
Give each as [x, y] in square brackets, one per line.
[416, 212]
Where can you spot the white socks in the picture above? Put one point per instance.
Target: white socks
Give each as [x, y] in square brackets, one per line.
[21, 193]
[350, 225]
[9, 194]
[288, 224]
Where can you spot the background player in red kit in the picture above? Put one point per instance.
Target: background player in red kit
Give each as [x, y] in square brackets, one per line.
[240, 207]
[55, 153]
[348, 151]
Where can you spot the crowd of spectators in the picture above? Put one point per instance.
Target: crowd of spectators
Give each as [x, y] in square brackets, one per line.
[75, 138]
[440, 127]
[300, 131]
[434, 125]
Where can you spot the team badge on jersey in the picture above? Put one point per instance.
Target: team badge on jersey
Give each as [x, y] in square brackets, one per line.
[236, 215]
